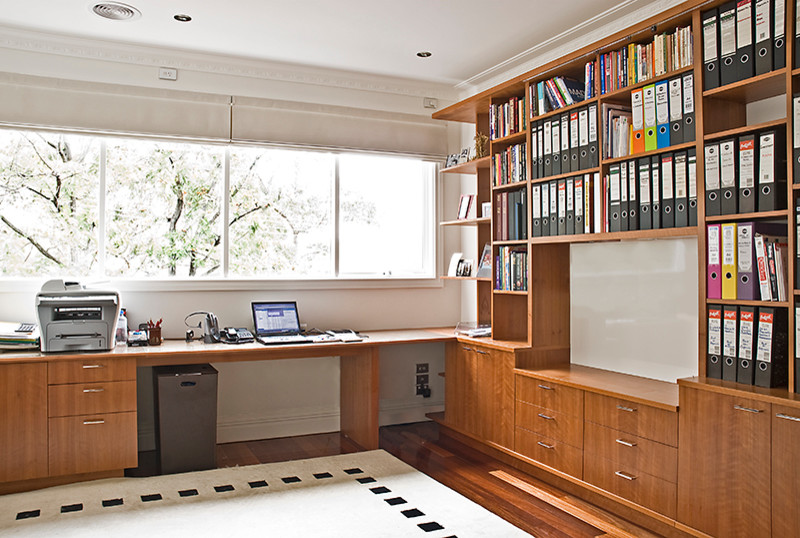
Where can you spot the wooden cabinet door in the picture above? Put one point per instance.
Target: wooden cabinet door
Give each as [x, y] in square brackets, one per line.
[724, 464]
[785, 471]
[23, 421]
[479, 394]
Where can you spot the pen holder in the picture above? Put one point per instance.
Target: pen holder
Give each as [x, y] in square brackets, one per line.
[154, 336]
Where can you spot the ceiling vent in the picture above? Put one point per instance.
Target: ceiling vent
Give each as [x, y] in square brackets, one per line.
[116, 11]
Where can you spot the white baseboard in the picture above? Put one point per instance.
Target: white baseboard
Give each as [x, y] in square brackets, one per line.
[290, 425]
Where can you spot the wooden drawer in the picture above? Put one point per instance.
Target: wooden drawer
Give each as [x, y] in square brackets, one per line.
[641, 420]
[633, 452]
[550, 452]
[550, 395]
[551, 424]
[89, 370]
[641, 488]
[89, 398]
[90, 443]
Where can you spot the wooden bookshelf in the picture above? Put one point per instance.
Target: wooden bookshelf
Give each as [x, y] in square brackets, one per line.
[533, 326]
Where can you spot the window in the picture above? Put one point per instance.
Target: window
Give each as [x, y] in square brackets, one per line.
[83, 206]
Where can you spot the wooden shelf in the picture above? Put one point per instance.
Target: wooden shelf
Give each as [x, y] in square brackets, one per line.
[742, 302]
[466, 222]
[510, 292]
[517, 243]
[746, 129]
[565, 174]
[752, 89]
[510, 186]
[469, 167]
[690, 231]
[660, 394]
[510, 139]
[676, 147]
[482, 279]
[781, 213]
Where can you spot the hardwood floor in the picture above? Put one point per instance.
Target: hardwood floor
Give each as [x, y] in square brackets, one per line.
[533, 506]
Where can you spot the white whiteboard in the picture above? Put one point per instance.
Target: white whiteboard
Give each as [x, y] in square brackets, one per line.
[634, 307]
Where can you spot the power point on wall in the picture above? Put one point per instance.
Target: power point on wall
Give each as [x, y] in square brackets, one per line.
[167, 73]
[430, 102]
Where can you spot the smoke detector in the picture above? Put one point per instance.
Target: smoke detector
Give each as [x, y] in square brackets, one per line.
[116, 11]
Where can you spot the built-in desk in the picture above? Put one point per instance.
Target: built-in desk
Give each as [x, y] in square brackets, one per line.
[70, 417]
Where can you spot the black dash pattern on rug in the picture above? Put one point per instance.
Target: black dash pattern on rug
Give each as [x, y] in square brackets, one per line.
[29, 514]
[112, 502]
[291, 479]
[223, 489]
[395, 501]
[188, 493]
[151, 497]
[320, 476]
[67, 508]
[257, 484]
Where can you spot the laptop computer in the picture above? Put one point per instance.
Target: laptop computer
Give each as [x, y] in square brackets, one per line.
[277, 323]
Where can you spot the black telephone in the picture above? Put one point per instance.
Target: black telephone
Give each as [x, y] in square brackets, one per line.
[210, 326]
[234, 335]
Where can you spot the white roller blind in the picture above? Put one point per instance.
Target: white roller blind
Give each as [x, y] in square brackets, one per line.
[283, 122]
[66, 104]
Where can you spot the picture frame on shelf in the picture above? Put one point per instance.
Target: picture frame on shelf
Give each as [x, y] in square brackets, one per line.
[455, 260]
[452, 160]
[485, 264]
[463, 157]
[464, 268]
[486, 210]
[464, 205]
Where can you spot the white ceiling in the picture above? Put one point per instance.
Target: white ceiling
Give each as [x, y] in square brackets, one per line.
[466, 37]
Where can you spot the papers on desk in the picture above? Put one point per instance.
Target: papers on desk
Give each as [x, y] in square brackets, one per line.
[473, 329]
[15, 335]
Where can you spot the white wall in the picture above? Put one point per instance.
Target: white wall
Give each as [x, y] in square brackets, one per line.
[276, 398]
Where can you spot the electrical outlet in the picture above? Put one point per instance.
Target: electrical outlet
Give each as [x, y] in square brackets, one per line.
[422, 379]
[167, 73]
[422, 368]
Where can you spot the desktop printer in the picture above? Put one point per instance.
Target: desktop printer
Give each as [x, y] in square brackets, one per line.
[72, 318]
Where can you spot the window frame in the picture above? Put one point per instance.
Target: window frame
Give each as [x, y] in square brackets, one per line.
[225, 282]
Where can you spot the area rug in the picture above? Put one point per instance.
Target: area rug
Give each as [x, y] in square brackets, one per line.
[369, 494]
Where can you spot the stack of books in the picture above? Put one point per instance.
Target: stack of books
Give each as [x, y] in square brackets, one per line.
[19, 335]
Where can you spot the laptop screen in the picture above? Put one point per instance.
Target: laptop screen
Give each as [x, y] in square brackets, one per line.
[275, 318]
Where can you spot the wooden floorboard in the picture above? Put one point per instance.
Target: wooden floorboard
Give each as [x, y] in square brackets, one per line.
[533, 506]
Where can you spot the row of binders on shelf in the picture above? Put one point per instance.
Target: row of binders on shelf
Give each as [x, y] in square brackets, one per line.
[796, 135]
[748, 344]
[661, 115]
[565, 206]
[746, 174]
[510, 165]
[510, 218]
[506, 119]
[747, 261]
[651, 193]
[559, 92]
[511, 269]
[741, 39]
[564, 143]
[637, 63]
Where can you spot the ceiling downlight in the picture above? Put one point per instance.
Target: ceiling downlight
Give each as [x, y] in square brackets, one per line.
[116, 11]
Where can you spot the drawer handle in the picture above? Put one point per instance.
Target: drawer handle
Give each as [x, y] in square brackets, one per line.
[481, 352]
[626, 476]
[545, 445]
[625, 443]
[88, 366]
[546, 417]
[628, 409]
[545, 387]
[85, 391]
[787, 417]
[465, 348]
[748, 409]
[91, 422]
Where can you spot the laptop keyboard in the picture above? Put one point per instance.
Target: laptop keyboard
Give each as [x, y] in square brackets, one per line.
[284, 339]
